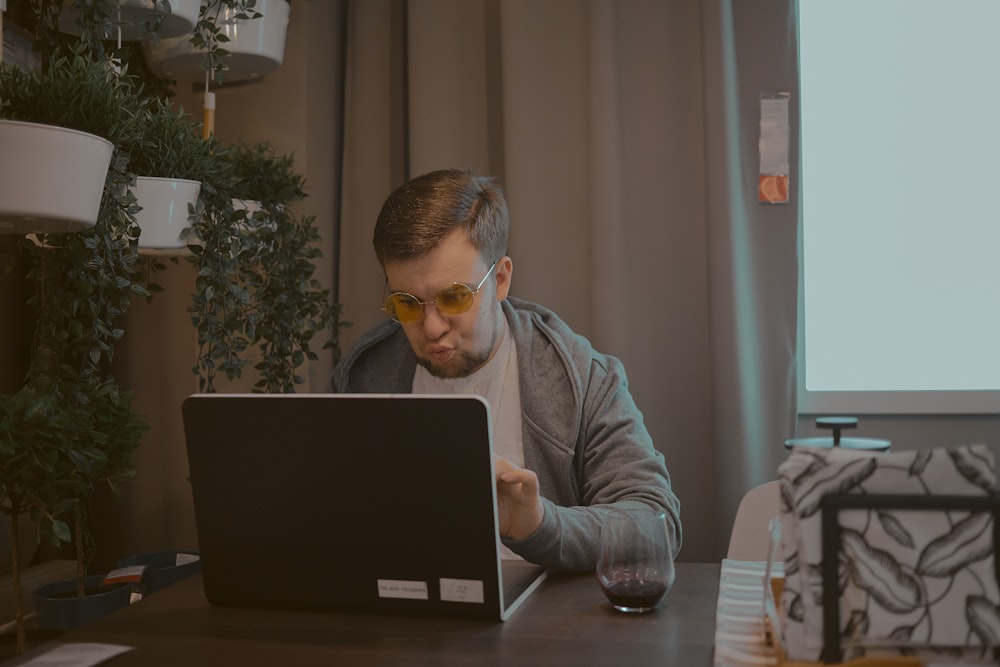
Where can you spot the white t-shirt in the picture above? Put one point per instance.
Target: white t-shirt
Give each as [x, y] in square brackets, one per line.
[498, 383]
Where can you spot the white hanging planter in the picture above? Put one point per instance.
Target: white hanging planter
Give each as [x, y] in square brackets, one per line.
[164, 213]
[51, 178]
[181, 20]
[256, 47]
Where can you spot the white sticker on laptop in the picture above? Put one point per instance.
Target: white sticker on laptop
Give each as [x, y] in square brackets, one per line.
[462, 590]
[400, 588]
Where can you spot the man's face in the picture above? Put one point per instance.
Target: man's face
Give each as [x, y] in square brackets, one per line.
[452, 346]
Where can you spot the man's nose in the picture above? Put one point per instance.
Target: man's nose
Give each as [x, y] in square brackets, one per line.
[435, 324]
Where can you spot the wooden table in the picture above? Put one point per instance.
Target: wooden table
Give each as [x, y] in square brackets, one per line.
[567, 621]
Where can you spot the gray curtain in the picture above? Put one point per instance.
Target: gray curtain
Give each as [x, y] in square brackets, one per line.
[625, 134]
[750, 51]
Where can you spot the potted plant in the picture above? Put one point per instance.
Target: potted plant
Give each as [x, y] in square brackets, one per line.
[171, 162]
[100, 25]
[291, 304]
[51, 129]
[35, 431]
[103, 433]
[70, 427]
[168, 159]
[132, 20]
[234, 40]
[256, 290]
[255, 287]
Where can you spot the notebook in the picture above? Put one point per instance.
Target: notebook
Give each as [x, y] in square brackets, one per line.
[350, 502]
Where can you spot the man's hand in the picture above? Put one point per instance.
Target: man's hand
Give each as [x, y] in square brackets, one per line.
[519, 504]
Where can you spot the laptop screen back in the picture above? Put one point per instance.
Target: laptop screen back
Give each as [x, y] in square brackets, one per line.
[371, 503]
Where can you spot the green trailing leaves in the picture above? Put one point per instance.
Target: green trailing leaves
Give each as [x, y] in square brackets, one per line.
[172, 147]
[70, 428]
[255, 273]
[208, 33]
[57, 445]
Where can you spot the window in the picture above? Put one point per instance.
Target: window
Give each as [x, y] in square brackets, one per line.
[900, 203]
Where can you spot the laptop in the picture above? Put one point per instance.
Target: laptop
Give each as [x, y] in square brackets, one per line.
[351, 503]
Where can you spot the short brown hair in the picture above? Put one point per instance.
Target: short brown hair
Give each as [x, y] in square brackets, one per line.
[421, 212]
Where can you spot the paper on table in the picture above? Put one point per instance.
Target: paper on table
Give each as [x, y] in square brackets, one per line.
[740, 638]
[76, 655]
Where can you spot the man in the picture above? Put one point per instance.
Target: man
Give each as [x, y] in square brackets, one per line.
[570, 442]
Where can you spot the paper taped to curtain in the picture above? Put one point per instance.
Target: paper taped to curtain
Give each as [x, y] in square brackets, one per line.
[773, 146]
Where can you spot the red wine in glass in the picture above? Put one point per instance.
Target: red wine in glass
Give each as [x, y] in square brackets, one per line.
[633, 595]
[635, 567]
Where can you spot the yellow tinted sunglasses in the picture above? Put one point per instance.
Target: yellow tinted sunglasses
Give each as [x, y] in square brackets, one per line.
[454, 299]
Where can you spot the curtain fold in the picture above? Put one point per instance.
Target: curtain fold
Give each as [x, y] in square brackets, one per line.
[753, 248]
[624, 132]
[590, 116]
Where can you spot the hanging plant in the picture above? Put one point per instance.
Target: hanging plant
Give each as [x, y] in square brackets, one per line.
[209, 35]
[221, 308]
[70, 428]
[60, 25]
[292, 305]
[170, 165]
[256, 284]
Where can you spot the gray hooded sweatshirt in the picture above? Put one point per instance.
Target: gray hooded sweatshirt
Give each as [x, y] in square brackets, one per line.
[583, 435]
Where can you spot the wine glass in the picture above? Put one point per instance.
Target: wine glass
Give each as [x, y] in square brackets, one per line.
[635, 567]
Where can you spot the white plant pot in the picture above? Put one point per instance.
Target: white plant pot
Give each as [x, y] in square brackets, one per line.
[256, 47]
[164, 213]
[51, 178]
[181, 20]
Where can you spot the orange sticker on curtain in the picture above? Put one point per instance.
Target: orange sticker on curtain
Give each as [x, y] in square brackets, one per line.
[772, 189]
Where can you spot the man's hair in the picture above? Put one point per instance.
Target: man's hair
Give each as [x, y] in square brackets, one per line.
[420, 213]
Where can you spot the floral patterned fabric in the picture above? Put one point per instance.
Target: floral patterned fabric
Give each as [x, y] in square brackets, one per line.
[911, 581]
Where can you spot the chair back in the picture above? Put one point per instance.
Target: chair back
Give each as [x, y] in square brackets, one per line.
[750, 538]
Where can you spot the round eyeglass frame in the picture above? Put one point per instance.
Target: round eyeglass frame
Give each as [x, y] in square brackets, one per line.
[444, 306]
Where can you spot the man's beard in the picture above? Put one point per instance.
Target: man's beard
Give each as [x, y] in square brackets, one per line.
[462, 364]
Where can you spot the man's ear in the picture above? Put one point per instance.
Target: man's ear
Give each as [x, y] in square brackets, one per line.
[505, 267]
